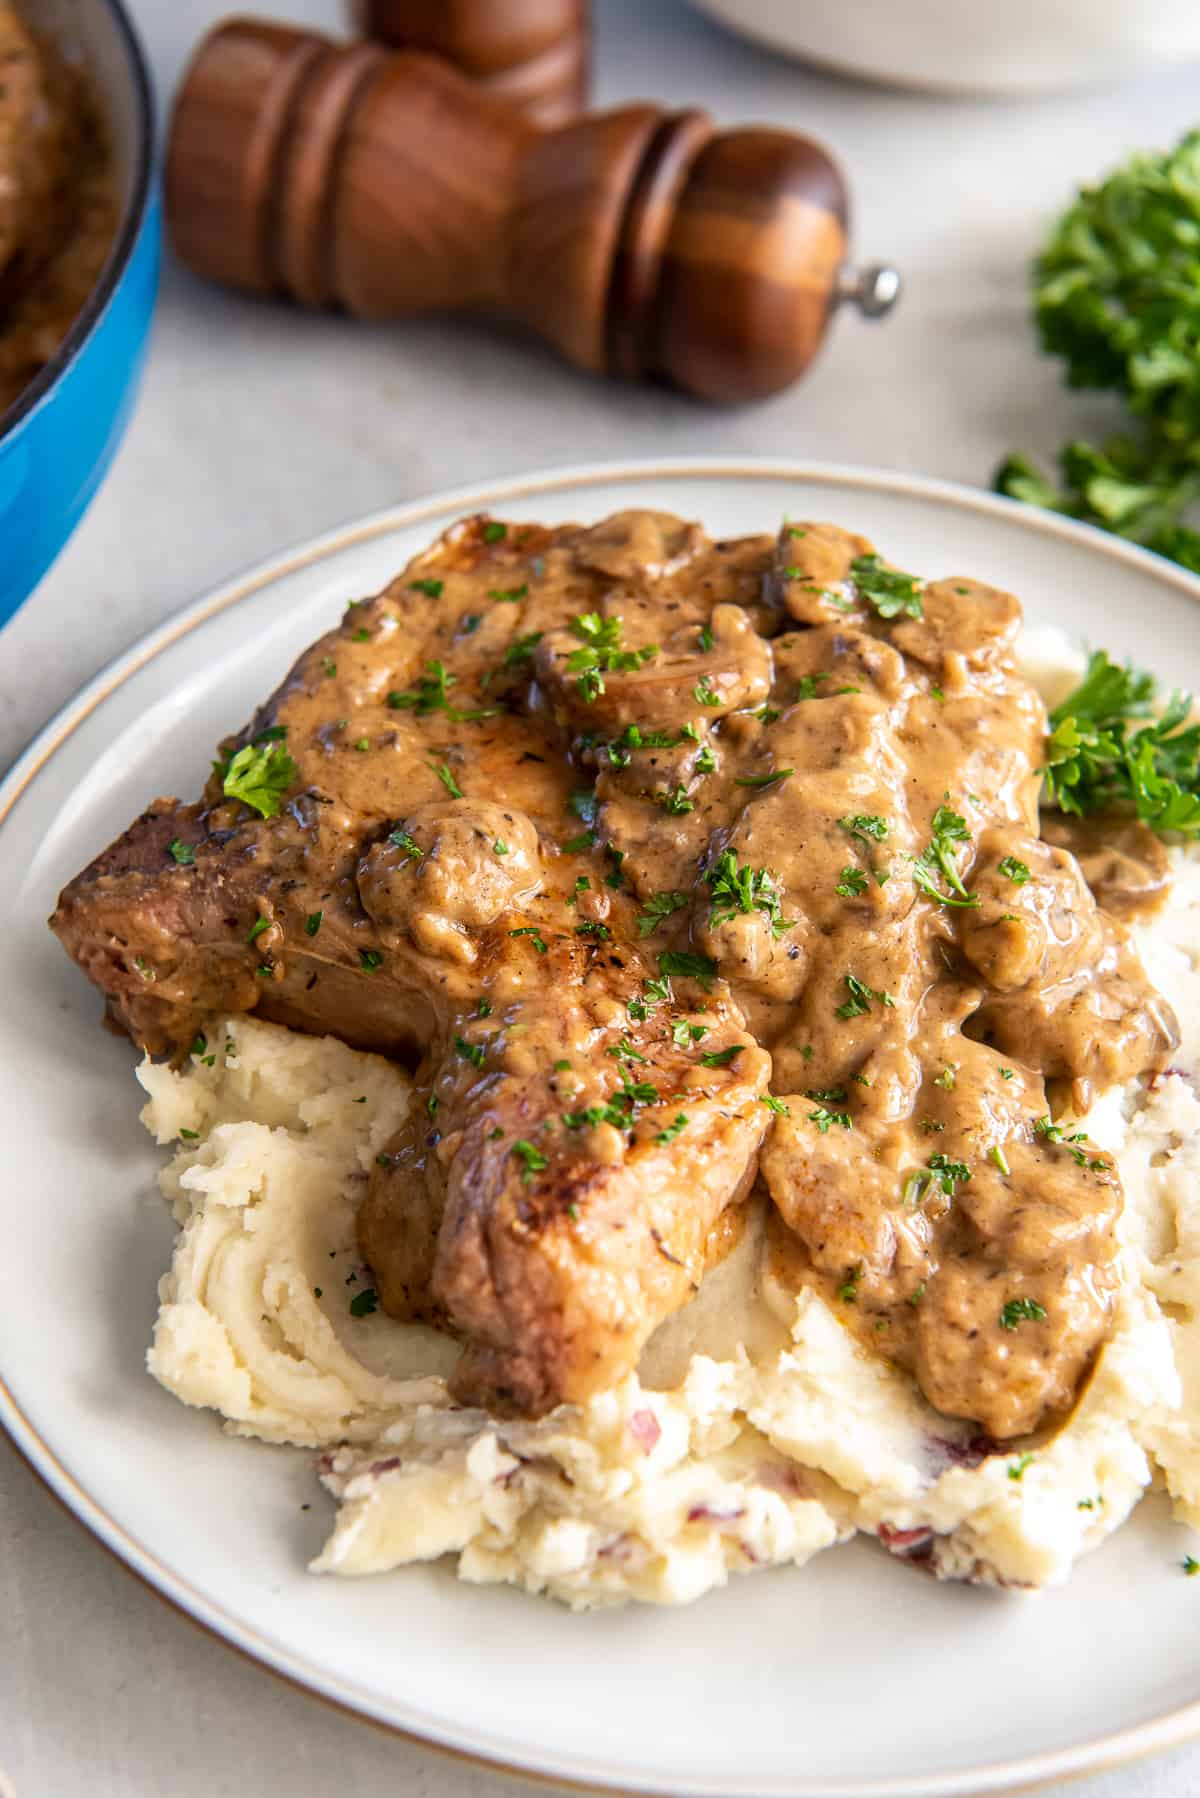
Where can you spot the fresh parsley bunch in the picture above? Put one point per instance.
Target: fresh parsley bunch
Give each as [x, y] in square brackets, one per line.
[1117, 296]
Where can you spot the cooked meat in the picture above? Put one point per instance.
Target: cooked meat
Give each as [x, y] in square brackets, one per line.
[606, 829]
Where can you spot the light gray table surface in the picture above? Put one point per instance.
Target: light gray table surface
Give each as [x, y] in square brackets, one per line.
[259, 426]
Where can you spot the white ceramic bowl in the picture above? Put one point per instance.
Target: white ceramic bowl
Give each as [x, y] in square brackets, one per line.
[974, 46]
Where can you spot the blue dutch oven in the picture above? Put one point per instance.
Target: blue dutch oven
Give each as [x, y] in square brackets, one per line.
[58, 440]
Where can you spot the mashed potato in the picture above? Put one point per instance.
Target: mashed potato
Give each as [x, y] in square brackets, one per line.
[756, 1431]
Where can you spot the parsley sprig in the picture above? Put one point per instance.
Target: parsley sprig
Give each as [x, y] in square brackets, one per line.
[736, 888]
[602, 653]
[948, 829]
[889, 590]
[1096, 759]
[658, 907]
[259, 775]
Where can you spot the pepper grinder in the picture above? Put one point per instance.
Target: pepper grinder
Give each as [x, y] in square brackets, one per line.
[639, 242]
[533, 54]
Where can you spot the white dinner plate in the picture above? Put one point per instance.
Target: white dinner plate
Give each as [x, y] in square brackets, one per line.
[855, 1677]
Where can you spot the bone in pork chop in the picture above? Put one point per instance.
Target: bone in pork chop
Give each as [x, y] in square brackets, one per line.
[609, 828]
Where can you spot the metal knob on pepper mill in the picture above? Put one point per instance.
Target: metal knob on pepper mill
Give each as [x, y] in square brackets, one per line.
[640, 243]
[532, 54]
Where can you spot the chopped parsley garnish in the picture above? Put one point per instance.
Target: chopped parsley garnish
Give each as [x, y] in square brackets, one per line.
[533, 1159]
[619, 753]
[889, 590]
[1054, 1133]
[256, 929]
[601, 653]
[658, 907]
[522, 650]
[472, 1052]
[328, 667]
[579, 845]
[1018, 1311]
[585, 805]
[361, 635]
[947, 1077]
[1094, 759]
[313, 922]
[400, 839]
[590, 928]
[852, 883]
[683, 1034]
[859, 1001]
[363, 744]
[189, 1135]
[143, 967]
[721, 1058]
[705, 693]
[848, 1290]
[1016, 1469]
[949, 827]
[509, 596]
[774, 1104]
[706, 762]
[764, 780]
[370, 960]
[500, 847]
[706, 639]
[1014, 870]
[806, 686]
[672, 1130]
[823, 1118]
[655, 992]
[744, 890]
[686, 966]
[181, 852]
[767, 714]
[364, 1303]
[431, 588]
[1190, 1565]
[484, 1009]
[494, 532]
[675, 801]
[532, 931]
[442, 770]
[999, 1159]
[431, 694]
[868, 827]
[827, 1095]
[940, 1171]
[949, 1173]
[470, 623]
[259, 776]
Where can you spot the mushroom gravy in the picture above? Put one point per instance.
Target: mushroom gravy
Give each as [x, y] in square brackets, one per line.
[678, 860]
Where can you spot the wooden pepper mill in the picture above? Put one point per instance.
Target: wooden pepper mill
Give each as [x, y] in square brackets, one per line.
[533, 54]
[638, 242]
